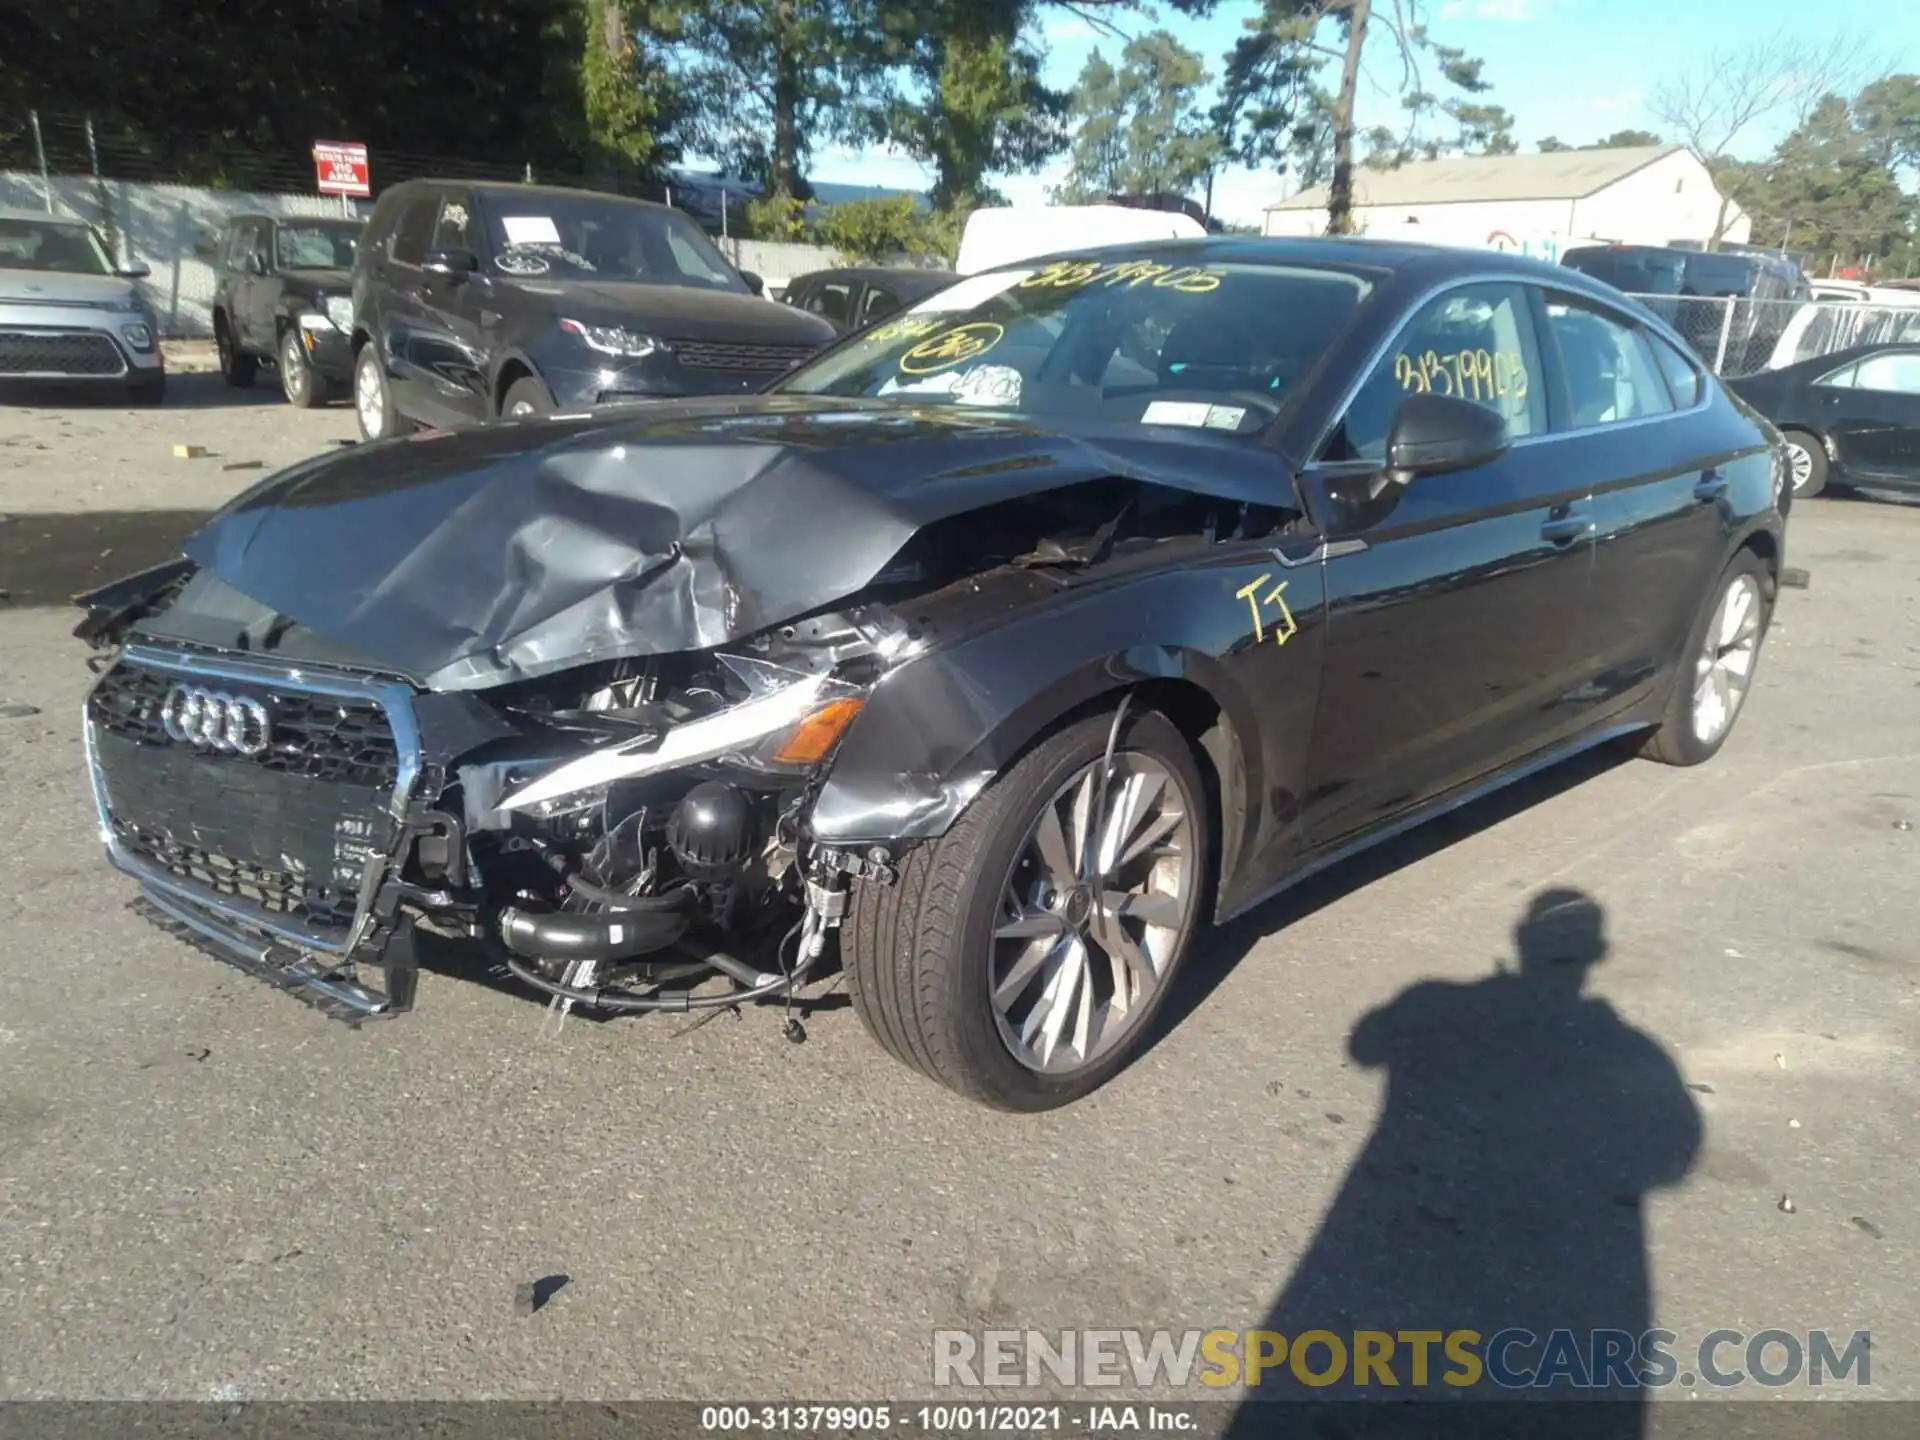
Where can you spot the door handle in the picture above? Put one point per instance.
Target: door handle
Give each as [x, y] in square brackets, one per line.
[1712, 486]
[1566, 529]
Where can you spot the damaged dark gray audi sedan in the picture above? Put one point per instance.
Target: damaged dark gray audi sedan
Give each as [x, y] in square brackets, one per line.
[989, 657]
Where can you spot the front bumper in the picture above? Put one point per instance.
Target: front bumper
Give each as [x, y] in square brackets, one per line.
[77, 344]
[329, 353]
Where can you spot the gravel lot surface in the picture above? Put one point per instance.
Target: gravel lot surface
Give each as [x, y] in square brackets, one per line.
[209, 1191]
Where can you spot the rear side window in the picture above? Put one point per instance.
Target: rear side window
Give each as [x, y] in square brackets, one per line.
[1607, 366]
[456, 228]
[412, 231]
[1896, 373]
[877, 303]
[1476, 342]
[830, 299]
[1682, 379]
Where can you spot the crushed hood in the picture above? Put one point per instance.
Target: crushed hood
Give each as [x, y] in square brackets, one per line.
[473, 558]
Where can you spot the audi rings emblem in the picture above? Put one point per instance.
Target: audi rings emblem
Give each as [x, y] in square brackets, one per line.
[215, 720]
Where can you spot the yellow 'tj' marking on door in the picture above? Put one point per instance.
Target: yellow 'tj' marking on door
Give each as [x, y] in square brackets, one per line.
[1285, 627]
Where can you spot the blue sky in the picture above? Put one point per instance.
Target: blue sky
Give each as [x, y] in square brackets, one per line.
[1578, 69]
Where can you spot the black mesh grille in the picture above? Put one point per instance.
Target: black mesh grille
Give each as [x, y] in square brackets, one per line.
[317, 736]
[761, 359]
[25, 352]
[289, 831]
[280, 892]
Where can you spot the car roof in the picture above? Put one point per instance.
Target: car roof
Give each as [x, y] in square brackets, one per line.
[21, 213]
[881, 272]
[518, 190]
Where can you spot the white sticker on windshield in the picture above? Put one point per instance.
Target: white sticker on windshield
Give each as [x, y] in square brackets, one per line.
[1225, 417]
[530, 230]
[974, 290]
[1176, 412]
[989, 385]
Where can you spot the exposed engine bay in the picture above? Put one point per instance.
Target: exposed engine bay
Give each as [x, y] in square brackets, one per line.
[617, 833]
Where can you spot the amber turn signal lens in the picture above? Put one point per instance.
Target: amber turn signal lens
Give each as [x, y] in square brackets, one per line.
[815, 735]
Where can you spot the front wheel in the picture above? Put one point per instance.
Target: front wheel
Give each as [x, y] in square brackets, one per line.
[372, 398]
[1020, 958]
[525, 398]
[303, 389]
[1717, 668]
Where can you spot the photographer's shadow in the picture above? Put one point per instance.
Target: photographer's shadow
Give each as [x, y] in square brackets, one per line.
[1503, 1187]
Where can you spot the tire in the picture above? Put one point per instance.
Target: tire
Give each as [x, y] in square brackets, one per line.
[303, 389]
[525, 397]
[1807, 457]
[148, 392]
[236, 366]
[922, 955]
[1681, 740]
[373, 398]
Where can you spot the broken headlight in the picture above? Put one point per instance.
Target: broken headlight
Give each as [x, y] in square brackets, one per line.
[775, 719]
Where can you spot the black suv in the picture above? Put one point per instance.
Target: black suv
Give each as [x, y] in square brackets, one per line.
[284, 295]
[478, 300]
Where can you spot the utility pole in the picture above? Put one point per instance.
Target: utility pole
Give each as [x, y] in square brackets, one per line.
[40, 151]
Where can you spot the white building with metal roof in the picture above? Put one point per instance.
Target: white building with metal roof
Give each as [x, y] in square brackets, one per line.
[1541, 204]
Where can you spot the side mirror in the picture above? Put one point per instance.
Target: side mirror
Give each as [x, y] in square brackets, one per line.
[455, 265]
[1433, 434]
[754, 282]
[134, 272]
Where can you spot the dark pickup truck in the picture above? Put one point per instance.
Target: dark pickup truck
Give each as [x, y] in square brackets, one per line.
[283, 296]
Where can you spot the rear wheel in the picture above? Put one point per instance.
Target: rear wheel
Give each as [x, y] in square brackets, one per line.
[1711, 687]
[236, 367]
[298, 383]
[1806, 463]
[1020, 958]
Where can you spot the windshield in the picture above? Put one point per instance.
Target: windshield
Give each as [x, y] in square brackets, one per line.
[1141, 340]
[569, 237]
[52, 245]
[317, 246]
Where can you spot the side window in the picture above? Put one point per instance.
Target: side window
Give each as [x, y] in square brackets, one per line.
[877, 303]
[1476, 342]
[830, 300]
[456, 229]
[1896, 373]
[1608, 367]
[412, 231]
[233, 246]
[1843, 378]
[1683, 380]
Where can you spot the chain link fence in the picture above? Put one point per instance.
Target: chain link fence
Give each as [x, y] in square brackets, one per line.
[1742, 337]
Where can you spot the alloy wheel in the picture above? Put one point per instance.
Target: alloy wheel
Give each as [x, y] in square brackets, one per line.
[1092, 914]
[1724, 668]
[294, 375]
[1800, 464]
[367, 398]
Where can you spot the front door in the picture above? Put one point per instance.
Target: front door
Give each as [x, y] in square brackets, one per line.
[1453, 601]
[1871, 413]
[449, 352]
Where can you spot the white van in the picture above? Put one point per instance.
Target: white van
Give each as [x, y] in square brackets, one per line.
[1007, 234]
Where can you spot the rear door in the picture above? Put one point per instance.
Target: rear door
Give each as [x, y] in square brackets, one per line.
[1452, 602]
[1624, 425]
[254, 236]
[1870, 412]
